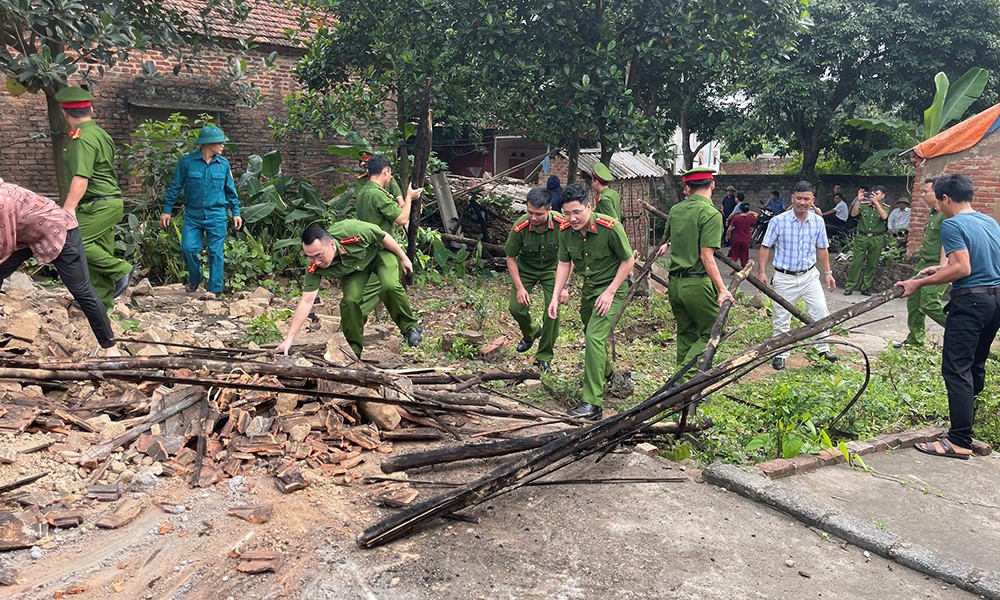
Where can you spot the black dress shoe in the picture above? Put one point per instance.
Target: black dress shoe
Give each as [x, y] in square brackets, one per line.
[848, 292]
[191, 287]
[828, 356]
[586, 411]
[122, 284]
[525, 344]
[899, 345]
[778, 364]
[414, 336]
[544, 366]
[866, 293]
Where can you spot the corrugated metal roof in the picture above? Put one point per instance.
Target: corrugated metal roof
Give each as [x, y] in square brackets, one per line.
[624, 165]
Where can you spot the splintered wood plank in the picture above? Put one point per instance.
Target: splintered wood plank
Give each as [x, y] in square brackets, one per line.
[260, 561]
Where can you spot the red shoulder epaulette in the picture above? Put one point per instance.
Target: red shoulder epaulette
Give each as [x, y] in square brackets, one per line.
[565, 225]
[520, 226]
[354, 239]
[609, 223]
[312, 268]
[559, 219]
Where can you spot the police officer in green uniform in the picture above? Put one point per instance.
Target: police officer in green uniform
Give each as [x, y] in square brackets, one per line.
[868, 241]
[377, 205]
[94, 196]
[694, 233]
[607, 201]
[926, 301]
[532, 255]
[599, 250]
[349, 251]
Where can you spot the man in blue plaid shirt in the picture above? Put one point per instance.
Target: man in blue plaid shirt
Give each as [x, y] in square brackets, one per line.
[798, 237]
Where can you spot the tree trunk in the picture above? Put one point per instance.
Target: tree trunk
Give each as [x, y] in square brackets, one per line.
[422, 154]
[403, 164]
[811, 144]
[59, 143]
[574, 158]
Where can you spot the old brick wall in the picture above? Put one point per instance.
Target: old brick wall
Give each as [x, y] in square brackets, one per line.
[121, 105]
[981, 163]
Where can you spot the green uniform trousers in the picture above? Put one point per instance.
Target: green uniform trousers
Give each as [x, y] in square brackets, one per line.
[864, 262]
[597, 367]
[695, 304]
[385, 267]
[522, 314]
[371, 297]
[925, 302]
[97, 230]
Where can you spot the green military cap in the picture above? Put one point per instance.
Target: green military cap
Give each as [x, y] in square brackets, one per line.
[903, 200]
[74, 97]
[210, 134]
[698, 174]
[730, 188]
[603, 173]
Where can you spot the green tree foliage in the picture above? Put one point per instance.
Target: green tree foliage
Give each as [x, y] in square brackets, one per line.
[860, 58]
[950, 103]
[45, 42]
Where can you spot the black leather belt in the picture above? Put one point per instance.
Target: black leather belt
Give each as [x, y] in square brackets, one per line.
[787, 272]
[86, 199]
[684, 274]
[992, 291]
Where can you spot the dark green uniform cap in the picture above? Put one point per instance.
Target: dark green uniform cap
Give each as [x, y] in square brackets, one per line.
[74, 97]
[603, 173]
[698, 174]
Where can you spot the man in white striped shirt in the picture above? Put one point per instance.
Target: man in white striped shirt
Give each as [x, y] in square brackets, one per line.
[798, 237]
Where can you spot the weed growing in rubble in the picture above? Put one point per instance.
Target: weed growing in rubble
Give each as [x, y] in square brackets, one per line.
[263, 329]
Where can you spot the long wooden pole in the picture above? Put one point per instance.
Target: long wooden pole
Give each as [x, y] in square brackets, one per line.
[514, 473]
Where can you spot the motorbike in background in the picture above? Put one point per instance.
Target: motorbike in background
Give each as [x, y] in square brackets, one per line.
[760, 227]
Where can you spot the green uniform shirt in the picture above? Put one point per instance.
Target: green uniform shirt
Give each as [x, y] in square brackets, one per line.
[536, 250]
[930, 248]
[598, 254]
[377, 206]
[609, 202]
[358, 243]
[92, 155]
[694, 224]
[869, 221]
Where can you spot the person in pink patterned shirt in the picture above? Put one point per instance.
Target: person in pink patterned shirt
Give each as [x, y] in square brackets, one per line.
[34, 226]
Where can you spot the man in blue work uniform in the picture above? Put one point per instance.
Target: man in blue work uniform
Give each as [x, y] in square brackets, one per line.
[209, 193]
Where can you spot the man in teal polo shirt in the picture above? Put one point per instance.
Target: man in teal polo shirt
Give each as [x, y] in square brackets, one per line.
[607, 201]
[349, 251]
[926, 300]
[94, 197]
[694, 233]
[596, 247]
[377, 205]
[209, 195]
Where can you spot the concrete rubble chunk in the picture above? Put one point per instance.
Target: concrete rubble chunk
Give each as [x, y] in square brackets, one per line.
[122, 515]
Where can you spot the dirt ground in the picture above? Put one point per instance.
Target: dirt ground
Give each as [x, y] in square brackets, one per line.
[677, 539]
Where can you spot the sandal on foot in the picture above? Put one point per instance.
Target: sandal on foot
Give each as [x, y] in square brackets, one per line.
[942, 447]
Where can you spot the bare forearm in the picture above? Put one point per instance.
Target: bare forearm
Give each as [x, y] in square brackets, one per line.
[302, 311]
[711, 268]
[823, 258]
[621, 274]
[77, 188]
[389, 243]
[404, 211]
[562, 276]
[515, 273]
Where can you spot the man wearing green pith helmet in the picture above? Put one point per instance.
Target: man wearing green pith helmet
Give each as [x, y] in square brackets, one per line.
[209, 196]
